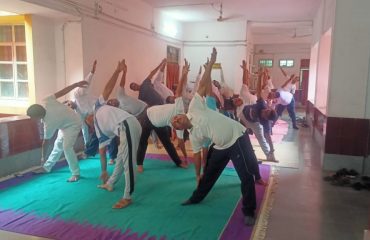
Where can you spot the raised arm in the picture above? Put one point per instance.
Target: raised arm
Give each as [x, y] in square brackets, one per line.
[123, 77]
[259, 83]
[245, 73]
[205, 83]
[283, 72]
[155, 70]
[66, 90]
[287, 81]
[183, 80]
[113, 80]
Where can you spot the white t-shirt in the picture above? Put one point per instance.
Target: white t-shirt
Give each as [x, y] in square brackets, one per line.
[107, 120]
[58, 116]
[247, 97]
[161, 88]
[130, 104]
[84, 99]
[221, 130]
[290, 88]
[285, 97]
[161, 115]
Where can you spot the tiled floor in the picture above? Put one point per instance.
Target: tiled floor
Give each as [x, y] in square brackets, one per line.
[306, 207]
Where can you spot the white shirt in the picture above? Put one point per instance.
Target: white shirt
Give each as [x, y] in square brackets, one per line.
[247, 97]
[161, 115]
[161, 88]
[285, 97]
[84, 99]
[290, 87]
[107, 121]
[58, 116]
[226, 91]
[130, 104]
[222, 131]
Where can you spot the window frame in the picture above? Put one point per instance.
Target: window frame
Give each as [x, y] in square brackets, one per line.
[286, 63]
[15, 62]
[266, 60]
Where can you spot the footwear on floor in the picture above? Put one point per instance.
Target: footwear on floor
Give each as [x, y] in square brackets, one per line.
[122, 203]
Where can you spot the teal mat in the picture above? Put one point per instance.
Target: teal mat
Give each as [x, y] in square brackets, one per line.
[156, 208]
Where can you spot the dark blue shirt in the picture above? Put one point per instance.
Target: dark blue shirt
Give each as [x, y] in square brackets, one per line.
[253, 114]
[149, 95]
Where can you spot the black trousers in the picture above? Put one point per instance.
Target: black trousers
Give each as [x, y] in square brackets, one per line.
[162, 134]
[245, 162]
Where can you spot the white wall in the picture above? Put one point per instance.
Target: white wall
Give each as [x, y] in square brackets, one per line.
[276, 52]
[348, 88]
[230, 40]
[142, 52]
[44, 47]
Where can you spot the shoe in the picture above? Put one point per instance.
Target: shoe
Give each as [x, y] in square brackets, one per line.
[249, 220]
[358, 186]
[341, 181]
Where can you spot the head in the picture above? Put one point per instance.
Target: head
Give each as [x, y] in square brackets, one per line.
[70, 104]
[113, 102]
[170, 99]
[134, 86]
[237, 102]
[36, 111]
[273, 95]
[269, 114]
[217, 84]
[181, 122]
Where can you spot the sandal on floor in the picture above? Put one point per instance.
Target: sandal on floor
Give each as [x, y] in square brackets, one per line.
[74, 178]
[122, 203]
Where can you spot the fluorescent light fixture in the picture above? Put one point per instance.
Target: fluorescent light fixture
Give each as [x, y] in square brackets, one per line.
[5, 13]
[169, 29]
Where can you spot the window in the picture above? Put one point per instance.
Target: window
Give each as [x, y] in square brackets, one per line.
[265, 62]
[173, 54]
[13, 62]
[286, 63]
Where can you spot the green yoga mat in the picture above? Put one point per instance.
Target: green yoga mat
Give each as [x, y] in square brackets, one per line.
[156, 208]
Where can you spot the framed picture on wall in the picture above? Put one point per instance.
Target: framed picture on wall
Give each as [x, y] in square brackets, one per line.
[173, 54]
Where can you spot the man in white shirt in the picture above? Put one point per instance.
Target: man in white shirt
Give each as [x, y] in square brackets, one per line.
[109, 122]
[284, 99]
[230, 142]
[159, 118]
[57, 116]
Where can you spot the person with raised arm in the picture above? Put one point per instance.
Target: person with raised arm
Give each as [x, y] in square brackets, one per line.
[230, 142]
[257, 117]
[57, 116]
[111, 121]
[166, 93]
[159, 118]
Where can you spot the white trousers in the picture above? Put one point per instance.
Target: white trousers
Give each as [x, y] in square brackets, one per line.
[65, 142]
[129, 134]
[258, 132]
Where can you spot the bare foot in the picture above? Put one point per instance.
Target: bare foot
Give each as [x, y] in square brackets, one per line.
[104, 177]
[261, 182]
[183, 164]
[106, 186]
[39, 170]
[122, 203]
[140, 168]
[74, 178]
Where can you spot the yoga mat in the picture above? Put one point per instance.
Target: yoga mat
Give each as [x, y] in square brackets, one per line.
[49, 207]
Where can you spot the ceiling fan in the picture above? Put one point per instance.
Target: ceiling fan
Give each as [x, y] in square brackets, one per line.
[221, 18]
